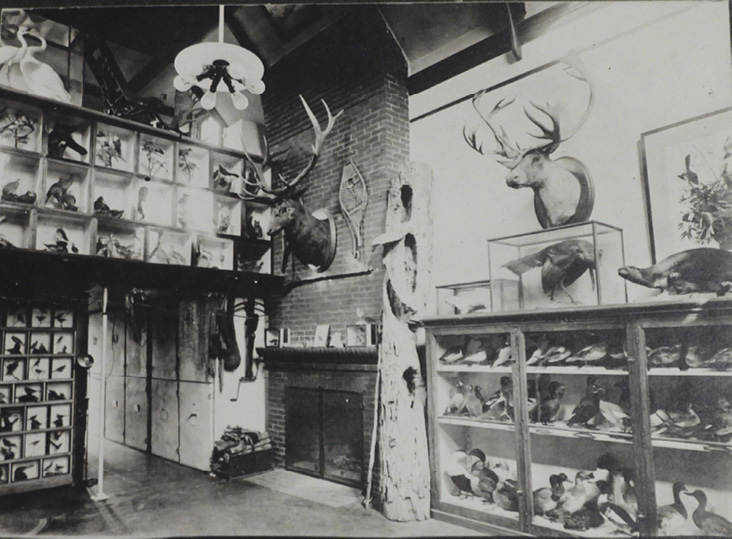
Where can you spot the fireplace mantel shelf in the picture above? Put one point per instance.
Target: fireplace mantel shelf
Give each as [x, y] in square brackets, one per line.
[289, 357]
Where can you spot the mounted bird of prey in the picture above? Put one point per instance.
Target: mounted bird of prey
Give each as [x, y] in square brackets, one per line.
[561, 265]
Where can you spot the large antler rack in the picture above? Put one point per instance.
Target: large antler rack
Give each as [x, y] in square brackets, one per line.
[510, 152]
[258, 190]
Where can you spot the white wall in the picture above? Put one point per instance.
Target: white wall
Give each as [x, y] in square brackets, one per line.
[654, 63]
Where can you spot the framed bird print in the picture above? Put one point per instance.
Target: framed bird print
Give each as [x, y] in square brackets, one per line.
[687, 177]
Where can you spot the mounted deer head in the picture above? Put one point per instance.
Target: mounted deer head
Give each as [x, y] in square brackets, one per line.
[563, 190]
[311, 238]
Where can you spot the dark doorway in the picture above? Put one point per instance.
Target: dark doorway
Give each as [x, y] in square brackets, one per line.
[324, 434]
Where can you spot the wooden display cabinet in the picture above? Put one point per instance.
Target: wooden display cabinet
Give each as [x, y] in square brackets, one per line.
[20, 126]
[73, 197]
[68, 138]
[192, 166]
[655, 383]
[21, 178]
[155, 158]
[38, 397]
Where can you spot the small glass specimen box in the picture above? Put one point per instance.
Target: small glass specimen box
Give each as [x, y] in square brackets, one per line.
[568, 265]
[477, 297]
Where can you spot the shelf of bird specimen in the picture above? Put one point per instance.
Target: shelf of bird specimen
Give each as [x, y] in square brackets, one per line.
[156, 158]
[114, 147]
[113, 195]
[120, 240]
[14, 227]
[568, 265]
[226, 173]
[474, 368]
[227, 216]
[491, 351]
[40, 343]
[690, 350]
[594, 495]
[62, 234]
[192, 166]
[194, 209]
[479, 473]
[20, 128]
[169, 247]
[41, 317]
[68, 138]
[55, 466]
[153, 202]
[66, 187]
[599, 349]
[212, 252]
[695, 410]
[21, 178]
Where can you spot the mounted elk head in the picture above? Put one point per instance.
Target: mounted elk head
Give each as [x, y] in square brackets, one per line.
[563, 189]
[310, 237]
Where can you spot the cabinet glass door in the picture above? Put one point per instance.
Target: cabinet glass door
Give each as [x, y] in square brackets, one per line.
[580, 430]
[690, 406]
[474, 440]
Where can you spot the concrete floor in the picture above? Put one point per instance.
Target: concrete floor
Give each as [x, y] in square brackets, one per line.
[154, 498]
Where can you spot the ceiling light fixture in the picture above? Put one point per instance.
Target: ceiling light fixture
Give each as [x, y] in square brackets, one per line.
[219, 67]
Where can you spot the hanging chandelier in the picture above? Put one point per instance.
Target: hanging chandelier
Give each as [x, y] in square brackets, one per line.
[219, 67]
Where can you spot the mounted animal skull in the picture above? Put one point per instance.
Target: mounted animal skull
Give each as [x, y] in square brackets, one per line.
[563, 190]
[309, 236]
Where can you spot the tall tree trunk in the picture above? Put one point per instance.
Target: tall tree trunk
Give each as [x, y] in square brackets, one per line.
[407, 243]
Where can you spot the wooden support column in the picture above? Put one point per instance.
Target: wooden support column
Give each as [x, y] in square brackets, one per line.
[407, 243]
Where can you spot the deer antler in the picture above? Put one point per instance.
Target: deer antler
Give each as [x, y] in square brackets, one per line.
[552, 134]
[271, 195]
[509, 151]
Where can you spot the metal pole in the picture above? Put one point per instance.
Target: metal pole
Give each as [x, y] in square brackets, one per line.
[100, 495]
[221, 24]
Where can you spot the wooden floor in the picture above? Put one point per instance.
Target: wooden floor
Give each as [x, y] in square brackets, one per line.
[154, 498]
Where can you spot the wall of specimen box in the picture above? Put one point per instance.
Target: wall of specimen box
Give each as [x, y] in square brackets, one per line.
[37, 396]
[79, 182]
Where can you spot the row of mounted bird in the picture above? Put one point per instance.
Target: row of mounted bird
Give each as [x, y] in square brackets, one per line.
[596, 410]
[603, 500]
[495, 351]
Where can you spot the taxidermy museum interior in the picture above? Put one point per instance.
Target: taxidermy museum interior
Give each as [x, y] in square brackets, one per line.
[366, 269]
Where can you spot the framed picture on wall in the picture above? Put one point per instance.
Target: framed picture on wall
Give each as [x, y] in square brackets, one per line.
[687, 176]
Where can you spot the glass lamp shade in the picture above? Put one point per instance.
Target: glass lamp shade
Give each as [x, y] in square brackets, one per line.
[183, 84]
[239, 100]
[195, 59]
[208, 101]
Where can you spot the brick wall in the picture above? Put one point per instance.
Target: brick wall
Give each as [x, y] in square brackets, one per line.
[355, 66]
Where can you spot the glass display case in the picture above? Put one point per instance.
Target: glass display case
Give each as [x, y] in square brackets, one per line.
[476, 297]
[568, 265]
[606, 421]
[37, 397]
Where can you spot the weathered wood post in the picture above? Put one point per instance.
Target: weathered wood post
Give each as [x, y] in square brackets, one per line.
[407, 243]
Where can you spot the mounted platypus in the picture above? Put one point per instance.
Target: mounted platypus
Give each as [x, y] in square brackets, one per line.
[696, 270]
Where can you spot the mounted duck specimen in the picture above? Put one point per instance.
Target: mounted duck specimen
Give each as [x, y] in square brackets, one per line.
[702, 270]
[709, 523]
[671, 517]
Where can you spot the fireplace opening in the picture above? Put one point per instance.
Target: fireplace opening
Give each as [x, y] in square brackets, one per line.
[324, 434]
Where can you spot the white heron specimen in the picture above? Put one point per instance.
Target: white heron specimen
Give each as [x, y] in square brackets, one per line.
[40, 77]
[10, 56]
